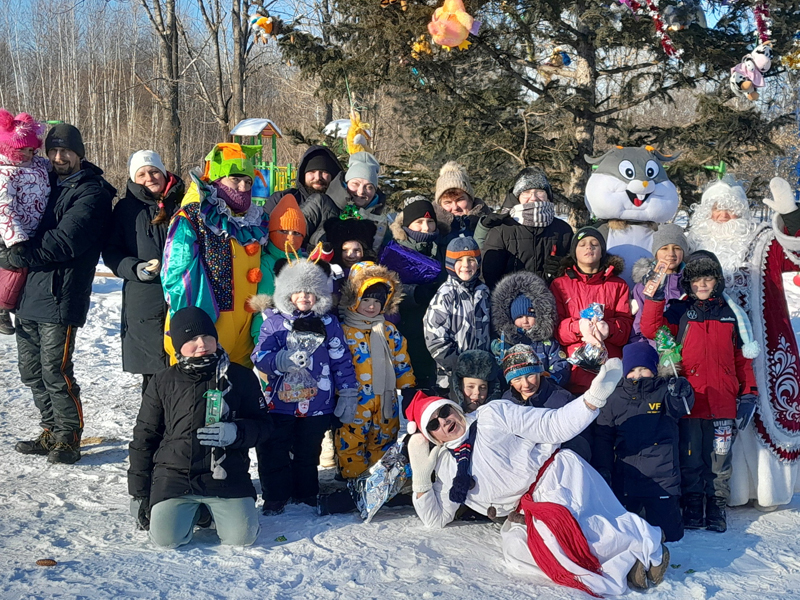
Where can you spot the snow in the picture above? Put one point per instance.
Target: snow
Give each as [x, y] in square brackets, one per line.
[78, 515]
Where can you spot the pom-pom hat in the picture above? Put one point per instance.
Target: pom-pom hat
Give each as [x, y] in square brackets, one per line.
[420, 412]
[22, 131]
[452, 176]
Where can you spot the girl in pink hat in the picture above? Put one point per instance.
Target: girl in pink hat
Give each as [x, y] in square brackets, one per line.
[24, 190]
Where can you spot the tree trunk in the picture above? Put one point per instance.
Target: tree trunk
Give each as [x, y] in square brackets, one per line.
[238, 24]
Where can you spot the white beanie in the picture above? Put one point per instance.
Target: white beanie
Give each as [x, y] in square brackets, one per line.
[145, 158]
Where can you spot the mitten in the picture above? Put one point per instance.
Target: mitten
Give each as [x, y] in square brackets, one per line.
[140, 510]
[218, 435]
[551, 266]
[287, 361]
[345, 409]
[423, 462]
[143, 274]
[604, 383]
[492, 220]
[782, 196]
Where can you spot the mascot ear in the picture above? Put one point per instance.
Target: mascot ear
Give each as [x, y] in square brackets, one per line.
[595, 161]
[662, 157]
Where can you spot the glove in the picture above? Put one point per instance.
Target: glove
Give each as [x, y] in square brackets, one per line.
[288, 361]
[218, 435]
[745, 409]
[140, 510]
[680, 386]
[423, 462]
[492, 220]
[551, 266]
[604, 384]
[345, 409]
[143, 274]
[782, 196]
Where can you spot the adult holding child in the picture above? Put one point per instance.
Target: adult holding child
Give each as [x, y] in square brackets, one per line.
[140, 222]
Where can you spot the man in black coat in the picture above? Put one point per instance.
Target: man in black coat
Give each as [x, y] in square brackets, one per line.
[180, 460]
[61, 261]
[317, 168]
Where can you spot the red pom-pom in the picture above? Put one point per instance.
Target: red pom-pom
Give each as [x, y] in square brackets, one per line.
[797, 280]
[252, 249]
[254, 275]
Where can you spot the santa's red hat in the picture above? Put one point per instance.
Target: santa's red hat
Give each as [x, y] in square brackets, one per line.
[420, 411]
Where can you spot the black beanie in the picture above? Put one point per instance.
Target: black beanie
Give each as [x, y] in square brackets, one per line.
[66, 136]
[419, 209]
[588, 231]
[322, 161]
[188, 323]
[377, 291]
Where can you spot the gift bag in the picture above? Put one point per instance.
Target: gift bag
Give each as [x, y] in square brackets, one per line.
[381, 482]
[299, 386]
[412, 266]
[589, 356]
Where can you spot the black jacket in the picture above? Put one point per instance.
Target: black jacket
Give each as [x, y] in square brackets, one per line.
[300, 192]
[63, 255]
[513, 247]
[166, 459]
[134, 239]
[636, 437]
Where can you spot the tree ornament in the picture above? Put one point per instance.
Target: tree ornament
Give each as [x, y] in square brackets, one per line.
[748, 75]
[419, 47]
[658, 22]
[792, 59]
[403, 3]
[451, 25]
[763, 22]
[262, 26]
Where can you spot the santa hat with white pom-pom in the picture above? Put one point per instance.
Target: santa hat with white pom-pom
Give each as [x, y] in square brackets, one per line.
[420, 412]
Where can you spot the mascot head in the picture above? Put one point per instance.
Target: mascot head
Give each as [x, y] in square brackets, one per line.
[630, 184]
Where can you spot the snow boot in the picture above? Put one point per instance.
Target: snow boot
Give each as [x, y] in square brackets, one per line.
[693, 511]
[6, 326]
[41, 445]
[335, 503]
[637, 577]
[64, 453]
[656, 572]
[273, 507]
[205, 519]
[715, 514]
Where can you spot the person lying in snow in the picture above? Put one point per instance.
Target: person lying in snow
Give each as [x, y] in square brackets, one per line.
[504, 460]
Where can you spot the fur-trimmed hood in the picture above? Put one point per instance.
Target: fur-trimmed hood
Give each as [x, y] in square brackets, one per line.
[613, 261]
[361, 279]
[544, 305]
[641, 268]
[296, 276]
[401, 236]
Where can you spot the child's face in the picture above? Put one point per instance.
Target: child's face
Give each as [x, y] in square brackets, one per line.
[369, 307]
[703, 287]
[27, 154]
[423, 225]
[475, 390]
[303, 301]
[352, 252]
[588, 252]
[525, 322]
[672, 254]
[466, 267]
[199, 346]
[526, 385]
[639, 373]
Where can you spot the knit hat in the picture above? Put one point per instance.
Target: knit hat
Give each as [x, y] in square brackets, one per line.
[18, 132]
[377, 291]
[145, 158]
[322, 161]
[522, 307]
[639, 354]
[188, 323]
[519, 361]
[532, 179]
[459, 248]
[452, 176]
[420, 411]
[66, 136]
[230, 159]
[418, 209]
[363, 165]
[588, 231]
[286, 216]
[669, 233]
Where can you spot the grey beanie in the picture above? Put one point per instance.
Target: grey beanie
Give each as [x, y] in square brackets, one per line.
[363, 165]
[532, 179]
[669, 233]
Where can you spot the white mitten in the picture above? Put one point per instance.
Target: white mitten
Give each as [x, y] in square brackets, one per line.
[423, 462]
[604, 384]
[219, 435]
[782, 196]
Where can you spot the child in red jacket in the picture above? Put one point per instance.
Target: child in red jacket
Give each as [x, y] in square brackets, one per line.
[720, 374]
[591, 275]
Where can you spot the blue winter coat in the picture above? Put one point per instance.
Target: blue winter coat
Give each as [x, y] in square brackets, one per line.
[636, 437]
[331, 364]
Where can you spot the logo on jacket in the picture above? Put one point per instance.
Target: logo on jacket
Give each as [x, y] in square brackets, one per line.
[691, 314]
[655, 407]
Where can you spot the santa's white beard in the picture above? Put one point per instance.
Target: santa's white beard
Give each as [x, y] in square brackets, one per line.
[728, 241]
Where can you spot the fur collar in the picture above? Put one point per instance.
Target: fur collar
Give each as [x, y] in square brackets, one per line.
[641, 268]
[352, 288]
[534, 287]
[611, 260]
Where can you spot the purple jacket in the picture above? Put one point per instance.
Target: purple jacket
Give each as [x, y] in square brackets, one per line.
[672, 291]
[331, 364]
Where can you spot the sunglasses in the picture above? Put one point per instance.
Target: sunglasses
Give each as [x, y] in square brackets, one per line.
[444, 412]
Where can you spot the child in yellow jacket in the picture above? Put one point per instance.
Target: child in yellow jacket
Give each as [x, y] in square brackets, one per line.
[381, 363]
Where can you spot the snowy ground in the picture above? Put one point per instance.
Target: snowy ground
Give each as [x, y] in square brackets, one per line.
[78, 515]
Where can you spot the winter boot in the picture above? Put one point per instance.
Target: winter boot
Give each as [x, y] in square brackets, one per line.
[41, 445]
[715, 514]
[637, 576]
[335, 503]
[65, 453]
[273, 507]
[693, 511]
[205, 519]
[6, 326]
[656, 572]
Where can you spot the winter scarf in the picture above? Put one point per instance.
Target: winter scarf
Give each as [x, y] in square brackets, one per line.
[420, 237]
[384, 381]
[750, 347]
[238, 202]
[534, 214]
[463, 482]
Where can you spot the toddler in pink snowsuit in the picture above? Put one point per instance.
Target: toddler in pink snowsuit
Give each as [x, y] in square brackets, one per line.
[24, 191]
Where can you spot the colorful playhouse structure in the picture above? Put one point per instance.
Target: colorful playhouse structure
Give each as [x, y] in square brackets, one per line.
[255, 132]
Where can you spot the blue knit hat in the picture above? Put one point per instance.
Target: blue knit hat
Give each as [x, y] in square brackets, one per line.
[639, 354]
[522, 307]
[519, 361]
[459, 248]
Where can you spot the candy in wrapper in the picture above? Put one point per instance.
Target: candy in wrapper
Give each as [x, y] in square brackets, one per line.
[299, 386]
[593, 311]
[589, 356]
[669, 352]
[381, 482]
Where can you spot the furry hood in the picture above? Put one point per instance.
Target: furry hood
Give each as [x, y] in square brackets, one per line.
[641, 268]
[479, 208]
[479, 364]
[360, 279]
[611, 260]
[297, 276]
[400, 236]
[544, 304]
